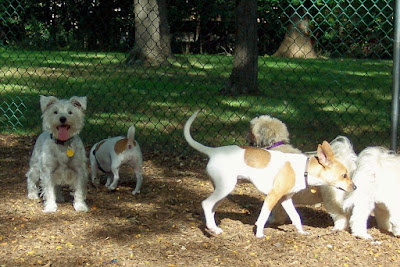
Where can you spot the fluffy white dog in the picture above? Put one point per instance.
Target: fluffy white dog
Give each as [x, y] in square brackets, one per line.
[58, 156]
[378, 180]
[110, 154]
[332, 197]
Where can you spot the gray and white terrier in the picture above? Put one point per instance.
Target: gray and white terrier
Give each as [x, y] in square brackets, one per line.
[59, 157]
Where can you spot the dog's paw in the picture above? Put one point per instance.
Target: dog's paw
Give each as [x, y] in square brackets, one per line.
[302, 232]
[81, 206]
[50, 207]
[134, 192]
[363, 235]
[215, 230]
[112, 187]
[258, 235]
[33, 195]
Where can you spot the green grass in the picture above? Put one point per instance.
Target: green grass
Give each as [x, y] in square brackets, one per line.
[318, 99]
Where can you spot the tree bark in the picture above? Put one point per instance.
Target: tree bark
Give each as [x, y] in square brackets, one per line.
[243, 79]
[152, 36]
[297, 42]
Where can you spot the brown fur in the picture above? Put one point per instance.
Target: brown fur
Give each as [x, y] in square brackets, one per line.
[99, 144]
[256, 158]
[283, 183]
[120, 146]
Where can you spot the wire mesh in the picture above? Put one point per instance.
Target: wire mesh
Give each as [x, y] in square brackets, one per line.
[324, 68]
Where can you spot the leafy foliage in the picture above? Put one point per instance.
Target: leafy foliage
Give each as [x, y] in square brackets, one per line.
[338, 28]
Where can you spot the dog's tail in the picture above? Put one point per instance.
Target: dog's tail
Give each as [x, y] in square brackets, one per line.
[193, 143]
[131, 134]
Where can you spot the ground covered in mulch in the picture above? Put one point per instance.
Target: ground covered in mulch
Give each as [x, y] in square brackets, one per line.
[163, 225]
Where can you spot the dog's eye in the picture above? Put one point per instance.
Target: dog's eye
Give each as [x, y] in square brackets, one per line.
[56, 112]
[344, 175]
[70, 112]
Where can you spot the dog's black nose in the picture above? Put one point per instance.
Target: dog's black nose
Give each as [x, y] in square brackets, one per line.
[354, 187]
[63, 119]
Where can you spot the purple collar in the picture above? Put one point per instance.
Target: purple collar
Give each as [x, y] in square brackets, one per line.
[276, 144]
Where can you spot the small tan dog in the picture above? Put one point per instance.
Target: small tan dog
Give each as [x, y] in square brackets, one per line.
[270, 133]
[277, 175]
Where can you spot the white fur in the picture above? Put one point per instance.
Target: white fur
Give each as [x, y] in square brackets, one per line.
[110, 161]
[333, 197]
[378, 180]
[50, 165]
[226, 165]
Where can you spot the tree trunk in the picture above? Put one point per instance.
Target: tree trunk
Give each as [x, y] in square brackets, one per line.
[243, 79]
[152, 37]
[297, 42]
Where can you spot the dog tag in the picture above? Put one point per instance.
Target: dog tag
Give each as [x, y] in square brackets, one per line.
[313, 190]
[70, 152]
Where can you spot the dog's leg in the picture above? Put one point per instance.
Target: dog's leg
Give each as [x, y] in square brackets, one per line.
[341, 221]
[109, 179]
[80, 190]
[269, 202]
[49, 194]
[32, 182]
[359, 219]
[94, 171]
[139, 180]
[388, 217]
[115, 171]
[283, 183]
[395, 221]
[223, 185]
[293, 215]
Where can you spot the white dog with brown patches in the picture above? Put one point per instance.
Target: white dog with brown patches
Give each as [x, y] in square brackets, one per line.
[110, 154]
[59, 156]
[278, 175]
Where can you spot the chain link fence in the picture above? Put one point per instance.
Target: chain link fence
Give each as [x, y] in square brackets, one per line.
[323, 67]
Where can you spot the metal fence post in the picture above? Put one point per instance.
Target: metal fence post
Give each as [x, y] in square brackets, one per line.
[396, 77]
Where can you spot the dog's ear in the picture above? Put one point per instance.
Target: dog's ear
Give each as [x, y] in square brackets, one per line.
[46, 102]
[79, 102]
[325, 154]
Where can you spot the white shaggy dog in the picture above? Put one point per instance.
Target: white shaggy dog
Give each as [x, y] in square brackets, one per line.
[58, 156]
[378, 180]
[110, 154]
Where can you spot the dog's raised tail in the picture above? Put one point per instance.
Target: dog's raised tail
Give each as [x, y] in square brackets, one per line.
[193, 143]
[131, 134]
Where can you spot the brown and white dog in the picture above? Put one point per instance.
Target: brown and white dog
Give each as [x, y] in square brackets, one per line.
[278, 175]
[110, 154]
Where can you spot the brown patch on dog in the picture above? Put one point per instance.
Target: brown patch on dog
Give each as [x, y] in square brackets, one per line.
[99, 144]
[256, 157]
[283, 183]
[120, 145]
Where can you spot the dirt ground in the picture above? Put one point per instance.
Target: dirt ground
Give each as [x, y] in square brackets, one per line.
[164, 224]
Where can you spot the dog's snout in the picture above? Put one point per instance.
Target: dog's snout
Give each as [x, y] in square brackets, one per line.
[63, 119]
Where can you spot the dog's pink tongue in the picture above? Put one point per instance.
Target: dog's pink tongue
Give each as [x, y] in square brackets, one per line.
[63, 133]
